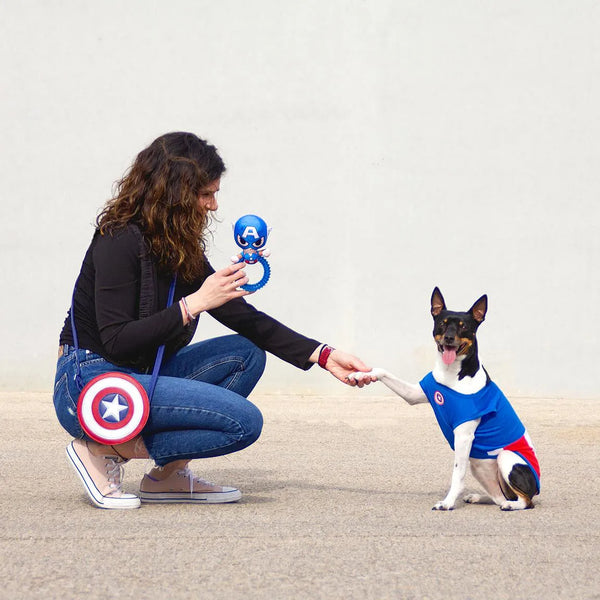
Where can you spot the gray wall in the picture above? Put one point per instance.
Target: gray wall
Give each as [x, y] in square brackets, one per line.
[392, 146]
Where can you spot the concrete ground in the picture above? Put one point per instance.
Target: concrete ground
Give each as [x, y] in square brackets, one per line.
[337, 504]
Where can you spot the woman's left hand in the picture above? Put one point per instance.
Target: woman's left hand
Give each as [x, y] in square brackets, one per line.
[340, 364]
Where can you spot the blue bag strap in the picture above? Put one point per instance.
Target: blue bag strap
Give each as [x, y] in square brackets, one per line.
[78, 379]
[159, 353]
[161, 350]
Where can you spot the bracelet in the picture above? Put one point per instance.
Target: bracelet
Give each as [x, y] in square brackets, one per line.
[188, 312]
[324, 355]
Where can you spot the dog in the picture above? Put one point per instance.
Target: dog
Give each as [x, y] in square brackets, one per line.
[476, 418]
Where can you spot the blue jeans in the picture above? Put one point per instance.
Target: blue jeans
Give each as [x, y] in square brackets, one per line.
[199, 408]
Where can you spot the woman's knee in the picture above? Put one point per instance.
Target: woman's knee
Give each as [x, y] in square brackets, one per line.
[254, 358]
[259, 357]
[248, 348]
[252, 425]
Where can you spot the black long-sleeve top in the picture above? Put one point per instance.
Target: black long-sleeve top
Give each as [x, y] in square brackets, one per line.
[107, 310]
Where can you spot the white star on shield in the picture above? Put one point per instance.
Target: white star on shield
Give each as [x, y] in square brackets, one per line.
[113, 408]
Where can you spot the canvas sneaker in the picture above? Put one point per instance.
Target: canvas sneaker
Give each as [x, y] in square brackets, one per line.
[183, 486]
[101, 476]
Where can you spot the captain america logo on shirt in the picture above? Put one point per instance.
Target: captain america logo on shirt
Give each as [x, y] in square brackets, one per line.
[113, 408]
[438, 397]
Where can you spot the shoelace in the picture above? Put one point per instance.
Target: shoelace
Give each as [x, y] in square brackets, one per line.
[115, 473]
[192, 478]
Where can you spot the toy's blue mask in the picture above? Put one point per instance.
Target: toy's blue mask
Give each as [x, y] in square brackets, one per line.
[250, 231]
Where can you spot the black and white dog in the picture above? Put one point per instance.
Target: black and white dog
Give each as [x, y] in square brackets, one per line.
[474, 415]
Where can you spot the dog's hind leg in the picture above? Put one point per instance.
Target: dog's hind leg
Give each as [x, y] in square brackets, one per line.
[516, 479]
[486, 473]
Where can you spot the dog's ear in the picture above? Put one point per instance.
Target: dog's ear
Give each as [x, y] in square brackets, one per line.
[437, 302]
[479, 309]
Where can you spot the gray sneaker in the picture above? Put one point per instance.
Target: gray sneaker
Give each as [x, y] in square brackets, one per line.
[183, 486]
[101, 477]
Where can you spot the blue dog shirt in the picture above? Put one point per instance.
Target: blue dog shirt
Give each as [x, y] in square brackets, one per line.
[499, 427]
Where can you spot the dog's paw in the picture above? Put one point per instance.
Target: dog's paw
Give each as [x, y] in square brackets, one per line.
[372, 375]
[519, 504]
[377, 372]
[359, 376]
[443, 505]
[473, 499]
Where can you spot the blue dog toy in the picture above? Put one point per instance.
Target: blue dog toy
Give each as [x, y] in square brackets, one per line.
[250, 233]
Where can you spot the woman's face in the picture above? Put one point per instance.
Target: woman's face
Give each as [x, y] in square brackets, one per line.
[207, 197]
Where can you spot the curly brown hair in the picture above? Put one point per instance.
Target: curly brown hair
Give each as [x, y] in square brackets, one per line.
[159, 193]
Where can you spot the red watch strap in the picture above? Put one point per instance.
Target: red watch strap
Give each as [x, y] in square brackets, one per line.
[324, 355]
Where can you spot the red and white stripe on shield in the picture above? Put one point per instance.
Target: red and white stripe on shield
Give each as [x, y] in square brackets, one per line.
[113, 408]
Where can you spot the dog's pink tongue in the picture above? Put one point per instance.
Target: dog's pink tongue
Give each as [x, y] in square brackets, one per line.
[449, 355]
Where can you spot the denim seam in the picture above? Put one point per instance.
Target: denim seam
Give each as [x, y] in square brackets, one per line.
[233, 381]
[191, 409]
[91, 361]
[206, 368]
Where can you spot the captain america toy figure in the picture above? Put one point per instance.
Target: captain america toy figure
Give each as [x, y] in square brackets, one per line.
[250, 233]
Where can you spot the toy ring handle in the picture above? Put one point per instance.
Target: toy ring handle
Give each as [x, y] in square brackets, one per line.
[253, 287]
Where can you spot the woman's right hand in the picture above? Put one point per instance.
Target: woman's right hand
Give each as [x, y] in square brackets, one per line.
[219, 288]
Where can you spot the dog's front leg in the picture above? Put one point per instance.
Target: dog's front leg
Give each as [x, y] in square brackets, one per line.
[463, 440]
[409, 392]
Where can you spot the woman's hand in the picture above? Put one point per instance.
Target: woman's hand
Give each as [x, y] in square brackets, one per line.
[219, 288]
[341, 364]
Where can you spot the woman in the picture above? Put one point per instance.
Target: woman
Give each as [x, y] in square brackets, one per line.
[151, 234]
